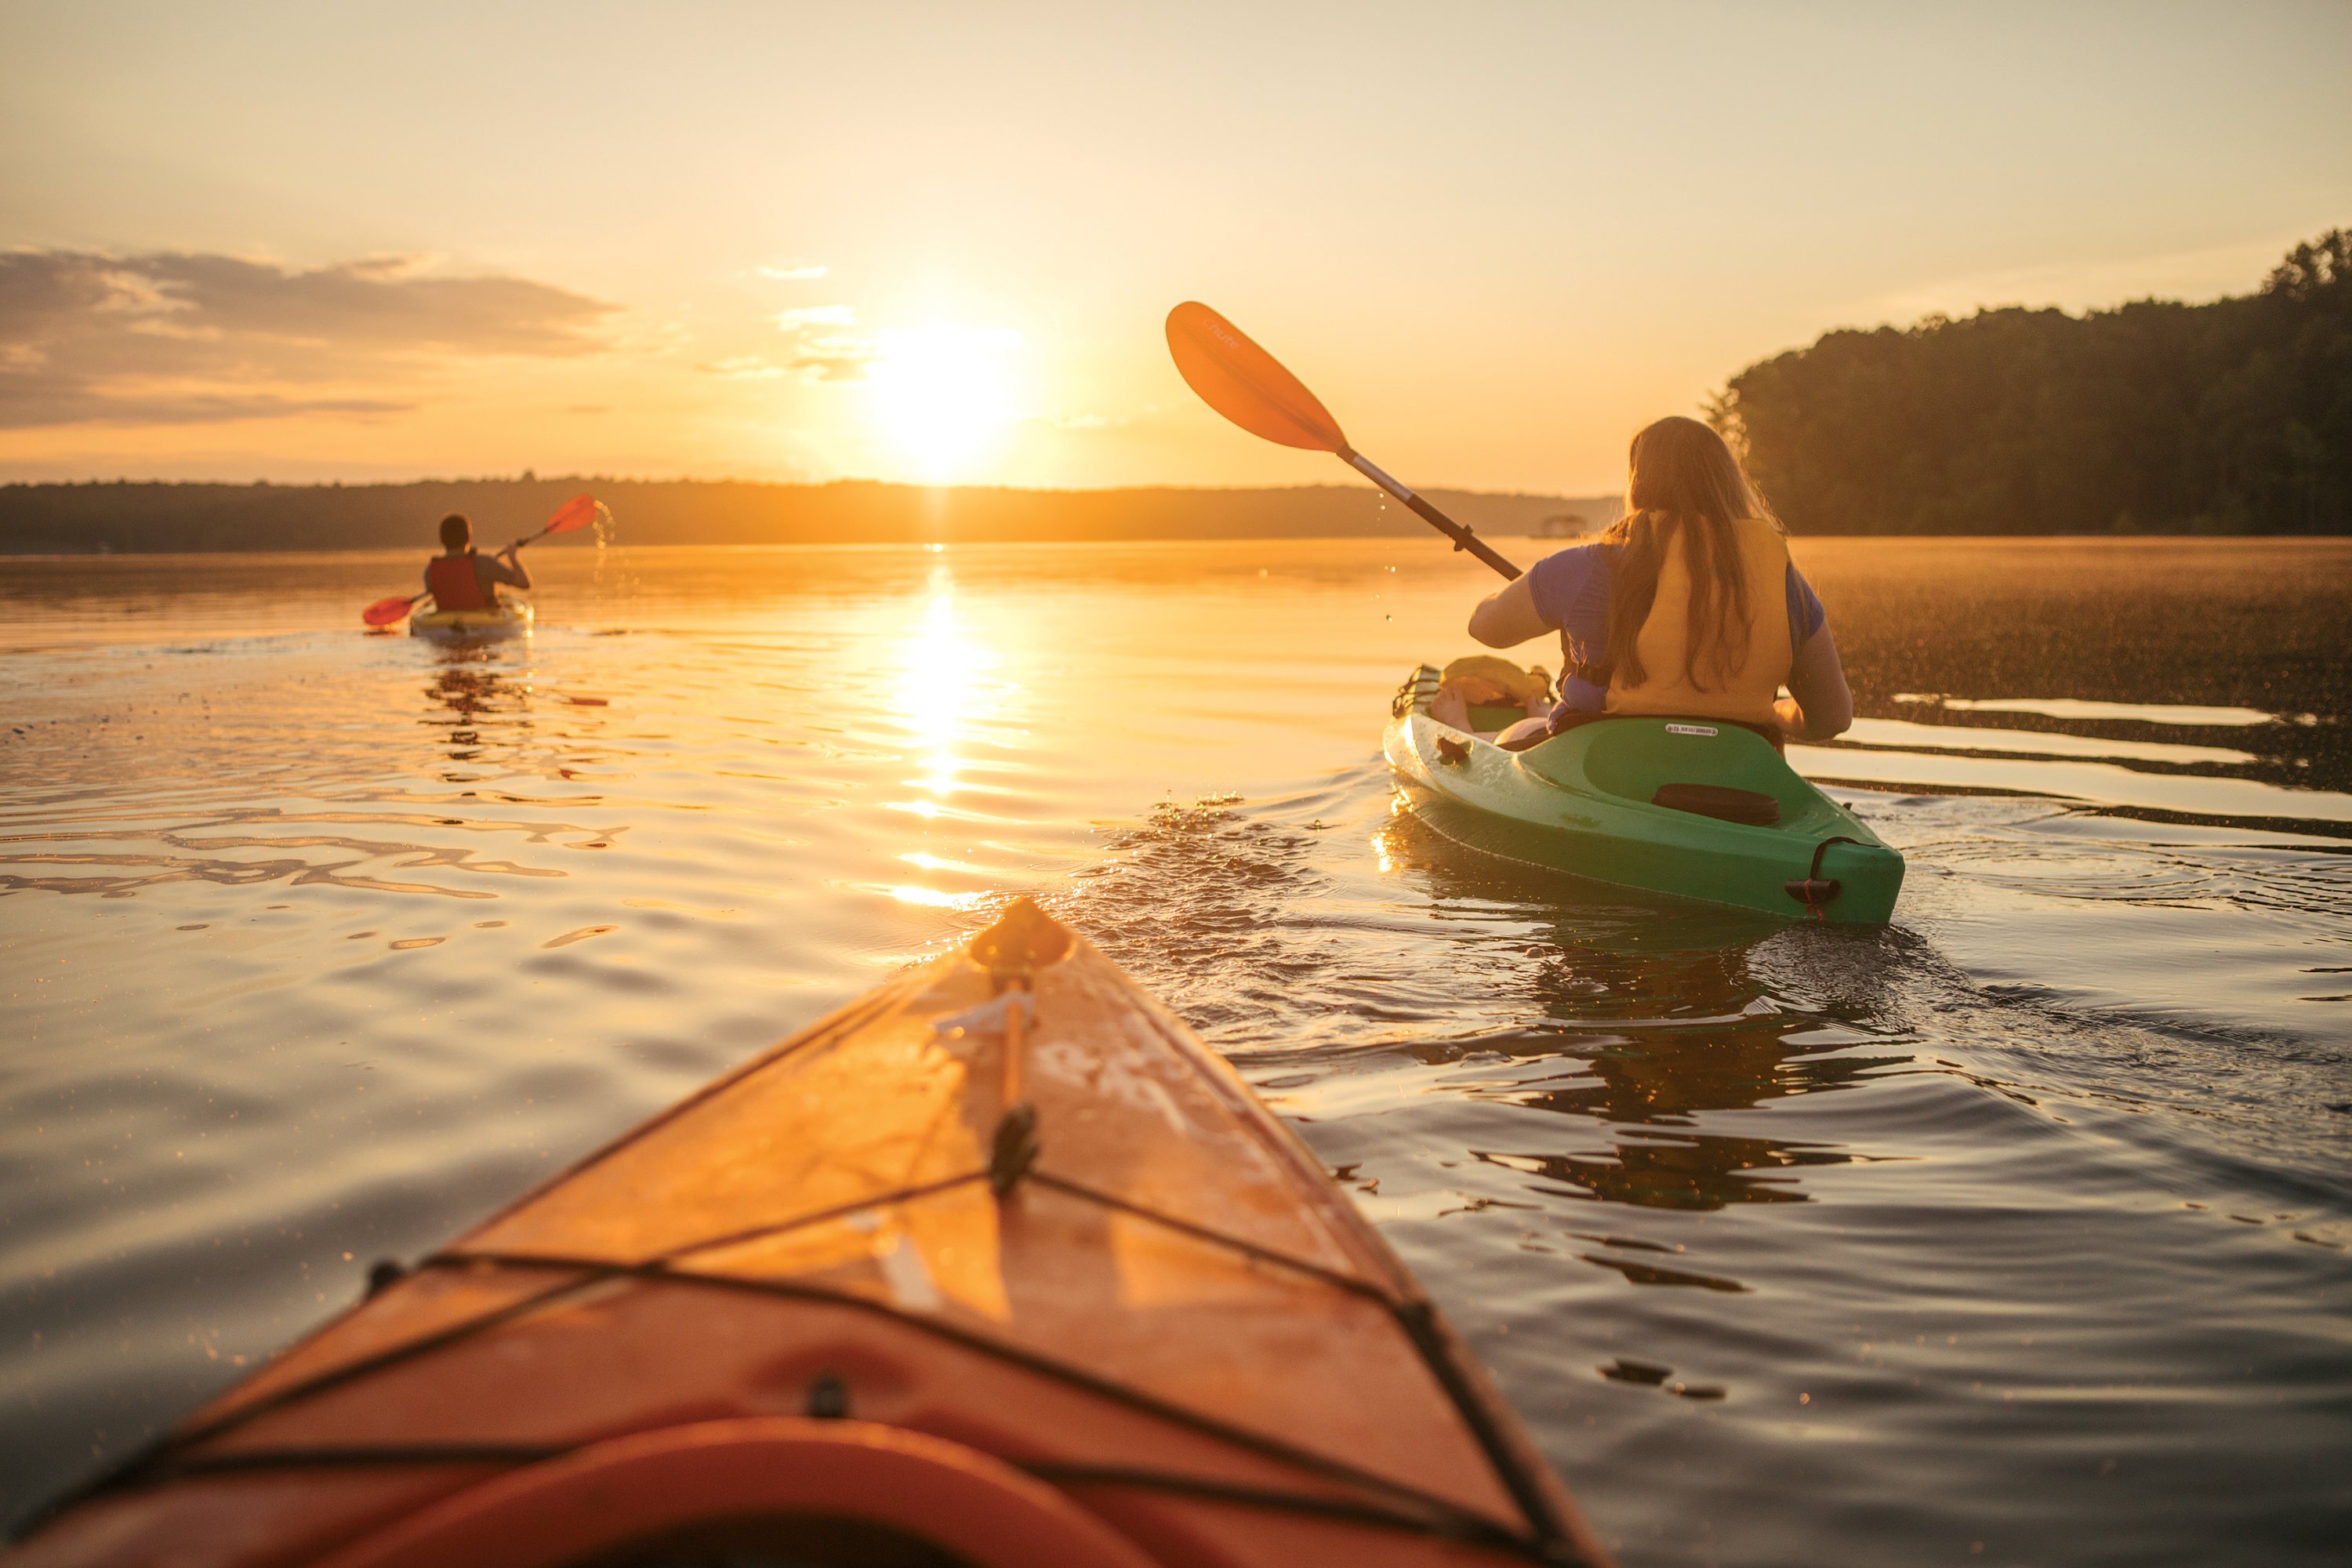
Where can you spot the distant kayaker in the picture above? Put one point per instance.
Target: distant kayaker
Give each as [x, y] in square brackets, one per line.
[463, 579]
[1689, 606]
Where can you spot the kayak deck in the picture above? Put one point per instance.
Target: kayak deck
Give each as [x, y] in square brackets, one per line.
[1587, 802]
[1170, 1328]
[513, 620]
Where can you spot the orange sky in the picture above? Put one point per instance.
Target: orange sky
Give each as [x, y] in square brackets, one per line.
[938, 242]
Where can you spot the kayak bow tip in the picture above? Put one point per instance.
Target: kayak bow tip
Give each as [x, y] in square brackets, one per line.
[1024, 937]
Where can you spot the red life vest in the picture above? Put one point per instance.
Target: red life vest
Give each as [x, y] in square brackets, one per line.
[454, 585]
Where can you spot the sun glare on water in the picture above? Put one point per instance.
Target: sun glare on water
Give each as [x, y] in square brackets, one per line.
[944, 395]
[945, 669]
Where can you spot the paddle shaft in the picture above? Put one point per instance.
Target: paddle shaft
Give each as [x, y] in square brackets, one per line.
[1463, 538]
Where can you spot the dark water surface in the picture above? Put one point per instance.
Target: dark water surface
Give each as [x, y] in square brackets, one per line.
[2016, 1233]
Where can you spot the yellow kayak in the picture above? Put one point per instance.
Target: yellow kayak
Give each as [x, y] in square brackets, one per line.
[507, 621]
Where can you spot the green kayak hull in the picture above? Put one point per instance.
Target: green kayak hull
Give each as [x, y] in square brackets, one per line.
[1582, 801]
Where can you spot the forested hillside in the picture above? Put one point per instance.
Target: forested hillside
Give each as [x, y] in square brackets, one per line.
[42, 519]
[2231, 418]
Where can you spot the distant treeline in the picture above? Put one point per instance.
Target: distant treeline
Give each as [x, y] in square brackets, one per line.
[2233, 417]
[46, 519]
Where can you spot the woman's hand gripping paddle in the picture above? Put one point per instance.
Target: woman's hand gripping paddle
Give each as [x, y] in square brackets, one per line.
[570, 518]
[1250, 387]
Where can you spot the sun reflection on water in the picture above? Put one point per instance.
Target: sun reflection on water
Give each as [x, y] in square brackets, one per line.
[937, 863]
[941, 695]
[940, 687]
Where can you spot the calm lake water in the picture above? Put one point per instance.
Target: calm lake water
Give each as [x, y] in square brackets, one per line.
[2016, 1233]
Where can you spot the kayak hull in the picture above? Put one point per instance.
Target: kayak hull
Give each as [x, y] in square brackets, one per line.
[513, 620]
[821, 1295]
[1582, 801]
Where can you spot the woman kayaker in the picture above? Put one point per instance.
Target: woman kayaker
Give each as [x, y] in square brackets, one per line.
[1689, 606]
[463, 579]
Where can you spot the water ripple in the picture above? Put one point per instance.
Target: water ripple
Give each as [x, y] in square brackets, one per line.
[2024, 1220]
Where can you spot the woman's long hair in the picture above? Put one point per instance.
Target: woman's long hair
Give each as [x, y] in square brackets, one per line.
[1682, 483]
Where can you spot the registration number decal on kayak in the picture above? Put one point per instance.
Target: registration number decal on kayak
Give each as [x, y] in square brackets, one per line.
[1693, 729]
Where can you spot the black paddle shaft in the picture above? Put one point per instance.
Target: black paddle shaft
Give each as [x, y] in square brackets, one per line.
[1463, 538]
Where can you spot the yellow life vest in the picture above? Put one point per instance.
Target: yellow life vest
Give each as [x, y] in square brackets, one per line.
[1742, 693]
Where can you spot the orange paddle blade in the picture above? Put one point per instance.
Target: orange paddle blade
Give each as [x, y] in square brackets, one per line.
[577, 512]
[1246, 384]
[383, 612]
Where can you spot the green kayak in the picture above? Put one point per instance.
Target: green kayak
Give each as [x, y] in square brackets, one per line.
[1693, 807]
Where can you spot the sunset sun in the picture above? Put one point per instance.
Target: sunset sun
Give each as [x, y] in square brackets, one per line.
[944, 395]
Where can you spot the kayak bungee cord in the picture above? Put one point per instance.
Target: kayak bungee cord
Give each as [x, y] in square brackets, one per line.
[1426, 1514]
[1324, 1385]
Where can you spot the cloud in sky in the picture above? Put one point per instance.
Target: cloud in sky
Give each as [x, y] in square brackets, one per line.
[743, 367]
[816, 316]
[822, 347]
[836, 356]
[178, 337]
[795, 273]
[819, 344]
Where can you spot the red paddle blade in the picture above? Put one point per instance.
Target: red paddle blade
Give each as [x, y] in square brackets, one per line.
[384, 612]
[1246, 384]
[576, 514]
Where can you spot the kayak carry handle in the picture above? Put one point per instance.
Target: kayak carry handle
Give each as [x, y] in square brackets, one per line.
[1813, 889]
[1023, 938]
[828, 1398]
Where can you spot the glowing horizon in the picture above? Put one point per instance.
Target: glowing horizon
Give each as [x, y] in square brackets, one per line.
[758, 244]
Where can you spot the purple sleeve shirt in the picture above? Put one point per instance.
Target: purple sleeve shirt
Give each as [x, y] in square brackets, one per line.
[1570, 590]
